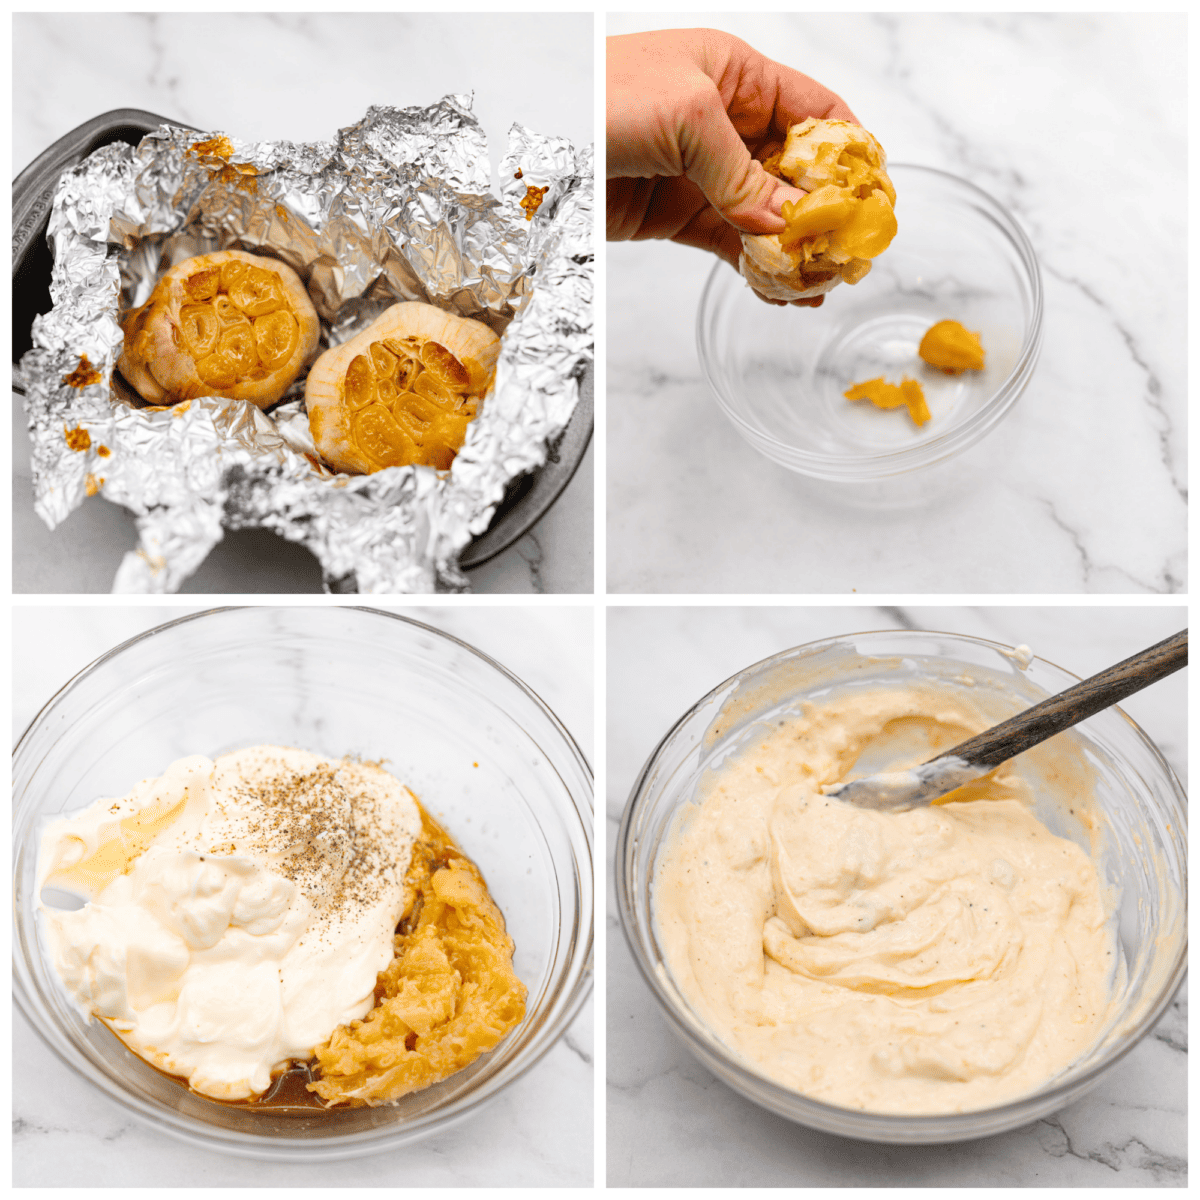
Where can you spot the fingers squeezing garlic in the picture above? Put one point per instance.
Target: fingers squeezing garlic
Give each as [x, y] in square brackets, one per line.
[402, 392]
[228, 324]
[834, 232]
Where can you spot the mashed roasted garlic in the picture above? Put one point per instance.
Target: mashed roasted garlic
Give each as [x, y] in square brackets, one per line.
[449, 995]
[908, 394]
[248, 913]
[940, 960]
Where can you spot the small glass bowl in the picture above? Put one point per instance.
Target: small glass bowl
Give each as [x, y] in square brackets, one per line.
[779, 373]
[479, 749]
[1142, 860]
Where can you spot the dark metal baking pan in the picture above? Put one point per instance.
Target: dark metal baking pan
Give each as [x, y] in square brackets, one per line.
[526, 499]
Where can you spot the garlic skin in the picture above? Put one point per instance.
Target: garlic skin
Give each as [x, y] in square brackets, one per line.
[772, 272]
[835, 231]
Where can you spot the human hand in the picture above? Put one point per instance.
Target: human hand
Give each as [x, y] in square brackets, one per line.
[688, 112]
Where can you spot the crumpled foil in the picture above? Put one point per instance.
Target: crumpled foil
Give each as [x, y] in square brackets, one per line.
[396, 208]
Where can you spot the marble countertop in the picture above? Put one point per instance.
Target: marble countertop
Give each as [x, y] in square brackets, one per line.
[672, 1123]
[1083, 487]
[70, 68]
[538, 1133]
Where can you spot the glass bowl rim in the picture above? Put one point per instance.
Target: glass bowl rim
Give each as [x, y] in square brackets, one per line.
[782, 1100]
[908, 458]
[578, 974]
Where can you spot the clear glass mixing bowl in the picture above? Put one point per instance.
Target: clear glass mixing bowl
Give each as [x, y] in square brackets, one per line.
[481, 751]
[1141, 861]
[779, 374]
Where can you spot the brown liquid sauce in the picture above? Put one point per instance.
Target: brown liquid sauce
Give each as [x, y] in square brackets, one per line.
[288, 1090]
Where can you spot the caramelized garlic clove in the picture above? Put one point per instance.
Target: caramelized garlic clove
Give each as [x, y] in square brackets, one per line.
[821, 211]
[238, 343]
[407, 373]
[227, 312]
[360, 382]
[200, 327]
[869, 230]
[445, 367]
[952, 348]
[232, 273]
[433, 390]
[258, 292]
[417, 415]
[381, 439]
[218, 370]
[856, 269]
[914, 398]
[880, 393]
[276, 336]
[908, 394]
[384, 362]
[203, 285]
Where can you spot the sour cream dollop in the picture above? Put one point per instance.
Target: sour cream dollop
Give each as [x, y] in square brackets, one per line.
[238, 911]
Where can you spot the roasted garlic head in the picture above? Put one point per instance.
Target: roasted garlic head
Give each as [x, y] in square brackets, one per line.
[832, 234]
[402, 392]
[228, 324]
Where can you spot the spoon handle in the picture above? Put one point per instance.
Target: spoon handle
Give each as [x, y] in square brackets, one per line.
[1044, 720]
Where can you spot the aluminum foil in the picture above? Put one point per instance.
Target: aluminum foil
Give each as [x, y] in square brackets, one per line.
[397, 207]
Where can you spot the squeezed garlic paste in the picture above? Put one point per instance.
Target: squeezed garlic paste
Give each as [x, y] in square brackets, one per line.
[950, 958]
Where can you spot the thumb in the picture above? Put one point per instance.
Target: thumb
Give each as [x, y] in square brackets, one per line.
[717, 160]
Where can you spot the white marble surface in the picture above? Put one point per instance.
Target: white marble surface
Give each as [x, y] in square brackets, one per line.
[301, 77]
[538, 1132]
[1083, 486]
[670, 1122]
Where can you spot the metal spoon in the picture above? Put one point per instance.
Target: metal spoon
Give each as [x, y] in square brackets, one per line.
[898, 791]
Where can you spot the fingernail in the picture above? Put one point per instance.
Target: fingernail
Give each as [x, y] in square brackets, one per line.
[785, 195]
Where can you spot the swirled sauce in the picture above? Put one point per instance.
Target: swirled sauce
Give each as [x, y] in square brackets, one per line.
[940, 960]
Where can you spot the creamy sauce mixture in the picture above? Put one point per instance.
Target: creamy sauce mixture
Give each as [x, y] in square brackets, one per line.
[939, 960]
[238, 911]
